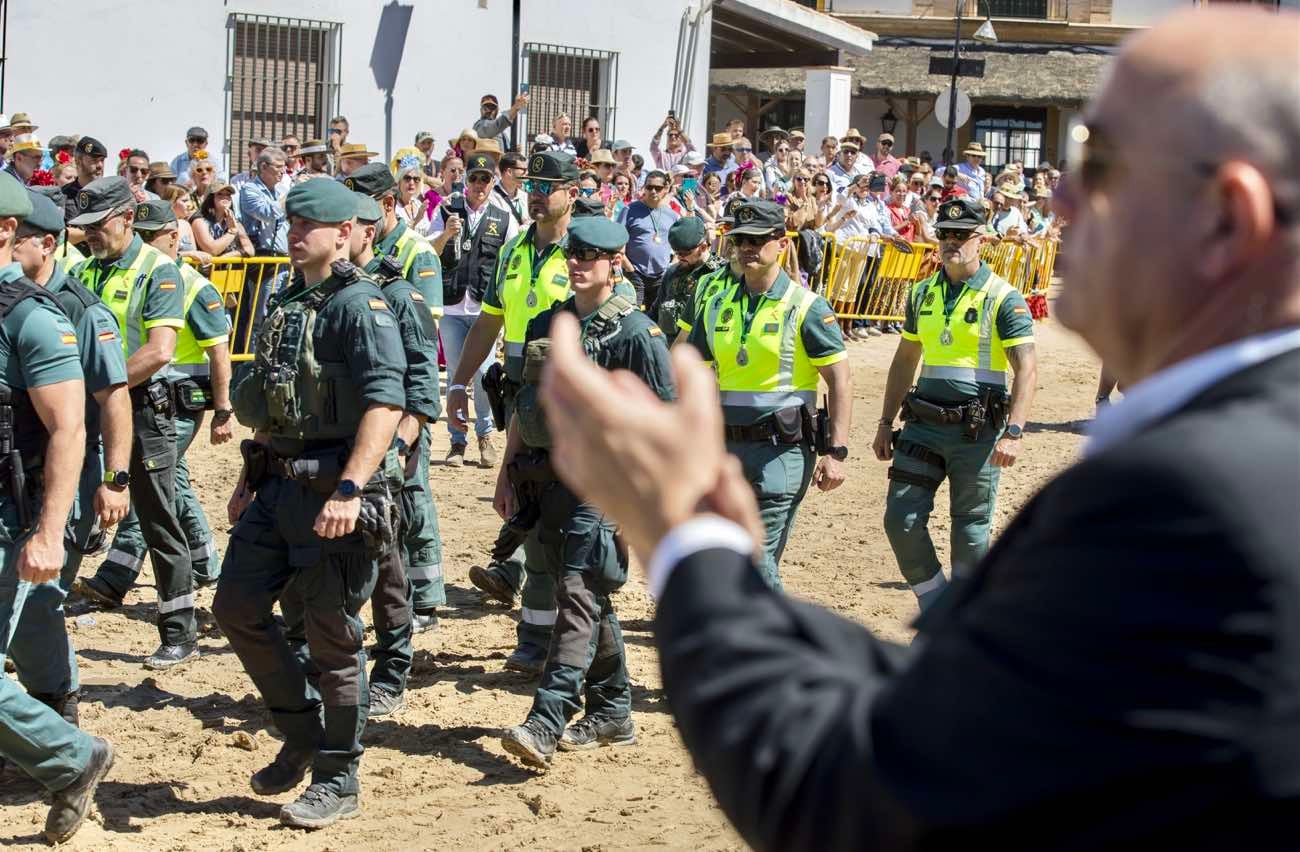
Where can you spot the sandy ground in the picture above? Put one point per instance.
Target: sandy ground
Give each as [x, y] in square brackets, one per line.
[436, 776]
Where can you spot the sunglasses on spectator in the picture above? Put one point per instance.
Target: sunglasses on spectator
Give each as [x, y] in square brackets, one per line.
[289, 148]
[744, 150]
[604, 165]
[885, 143]
[756, 240]
[540, 187]
[935, 198]
[825, 183]
[783, 150]
[586, 191]
[412, 178]
[194, 140]
[479, 177]
[138, 170]
[655, 187]
[587, 254]
[595, 128]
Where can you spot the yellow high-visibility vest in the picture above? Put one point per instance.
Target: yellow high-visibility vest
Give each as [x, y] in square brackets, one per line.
[970, 351]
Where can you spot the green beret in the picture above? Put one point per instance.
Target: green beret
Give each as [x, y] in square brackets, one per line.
[154, 215]
[758, 217]
[552, 165]
[100, 199]
[14, 200]
[686, 233]
[597, 232]
[368, 209]
[46, 216]
[321, 200]
[374, 179]
[587, 207]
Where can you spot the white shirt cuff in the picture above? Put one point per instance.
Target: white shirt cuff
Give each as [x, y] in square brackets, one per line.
[702, 533]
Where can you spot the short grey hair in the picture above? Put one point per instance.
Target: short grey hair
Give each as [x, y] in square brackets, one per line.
[269, 156]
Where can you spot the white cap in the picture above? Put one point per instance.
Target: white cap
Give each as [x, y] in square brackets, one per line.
[543, 139]
[694, 158]
[680, 169]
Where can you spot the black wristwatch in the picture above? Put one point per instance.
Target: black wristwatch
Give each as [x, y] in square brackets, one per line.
[221, 415]
[117, 478]
[839, 453]
[348, 489]
[1014, 432]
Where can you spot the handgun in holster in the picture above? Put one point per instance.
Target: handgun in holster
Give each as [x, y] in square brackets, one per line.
[817, 428]
[494, 383]
[257, 463]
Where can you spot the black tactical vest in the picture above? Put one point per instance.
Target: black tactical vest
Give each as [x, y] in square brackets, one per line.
[21, 428]
[478, 255]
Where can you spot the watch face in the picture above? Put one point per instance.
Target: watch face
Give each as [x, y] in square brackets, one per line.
[347, 488]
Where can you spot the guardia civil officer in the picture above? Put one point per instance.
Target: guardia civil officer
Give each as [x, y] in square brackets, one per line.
[200, 379]
[400, 254]
[577, 545]
[689, 241]
[963, 326]
[770, 340]
[143, 289]
[320, 465]
[531, 275]
[42, 441]
[42, 653]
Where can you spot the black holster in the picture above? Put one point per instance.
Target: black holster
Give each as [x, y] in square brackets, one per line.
[158, 396]
[378, 521]
[494, 383]
[789, 424]
[817, 425]
[257, 468]
[529, 475]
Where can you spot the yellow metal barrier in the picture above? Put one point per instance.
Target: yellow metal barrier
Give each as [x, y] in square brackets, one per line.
[869, 278]
[242, 281]
[1027, 266]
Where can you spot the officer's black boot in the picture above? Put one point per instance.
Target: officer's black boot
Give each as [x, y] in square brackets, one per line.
[282, 774]
[172, 656]
[492, 584]
[593, 731]
[530, 742]
[318, 806]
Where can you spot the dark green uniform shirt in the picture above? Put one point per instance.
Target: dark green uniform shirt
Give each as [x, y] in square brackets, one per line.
[358, 329]
[98, 342]
[419, 332]
[425, 272]
[705, 286]
[1013, 322]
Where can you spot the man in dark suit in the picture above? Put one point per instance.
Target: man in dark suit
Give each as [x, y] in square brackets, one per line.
[1123, 668]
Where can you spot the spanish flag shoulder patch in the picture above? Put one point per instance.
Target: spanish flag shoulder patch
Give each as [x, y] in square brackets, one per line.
[106, 336]
[828, 319]
[378, 305]
[167, 285]
[1021, 310]
[69, 339]
[417, 296]
[655, 331]
[212, 306]
[425, 273]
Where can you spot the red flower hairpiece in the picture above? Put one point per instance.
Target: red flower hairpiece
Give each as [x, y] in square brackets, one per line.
[124, 153]
[41, 177]
[63, 158]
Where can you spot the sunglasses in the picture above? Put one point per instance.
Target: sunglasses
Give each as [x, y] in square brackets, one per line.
[783, 150]
[587, 254]
[744, 150]
[193, 140]
[886, 144]
[952, 235]
[586, 191]
[411, 178]
[141, 170]
[591, 130]
[935, 198]
[655, 187]
[755, 240]
[538, 186]
[289, 148]
[825, 183]
[479, 177]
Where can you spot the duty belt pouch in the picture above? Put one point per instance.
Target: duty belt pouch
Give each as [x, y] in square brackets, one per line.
[789, 424]
[193, 395]
[158, 395]
[319, 473]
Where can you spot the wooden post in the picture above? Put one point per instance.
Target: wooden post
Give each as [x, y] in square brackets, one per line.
[912, 122]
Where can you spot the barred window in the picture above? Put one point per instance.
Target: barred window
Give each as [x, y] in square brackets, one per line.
[1010, 133]
[282, 79]
[570, 80]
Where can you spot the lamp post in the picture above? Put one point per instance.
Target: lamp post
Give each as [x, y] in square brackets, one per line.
[985, 34]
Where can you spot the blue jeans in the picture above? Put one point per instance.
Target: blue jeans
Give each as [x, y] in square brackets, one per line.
[454, 330]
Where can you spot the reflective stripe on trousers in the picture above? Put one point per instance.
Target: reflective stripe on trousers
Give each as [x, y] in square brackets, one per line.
[543, 617]
[175, 604]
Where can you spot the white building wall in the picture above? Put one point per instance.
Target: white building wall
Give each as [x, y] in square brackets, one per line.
[1143, 13]
[870, 7]
[152, 71]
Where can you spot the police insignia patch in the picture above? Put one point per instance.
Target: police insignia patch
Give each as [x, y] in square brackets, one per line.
[492, 230]
[745, 214]
[83, 200]
[654, 331]
[141, 211]
[954, 212]
[726, 315]
[538, 162]
[929, 299]
[350, 184]
[514, 261]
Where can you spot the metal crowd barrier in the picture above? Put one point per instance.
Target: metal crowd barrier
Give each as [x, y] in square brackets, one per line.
[244, 283]
[1026, 266]
[867, 278]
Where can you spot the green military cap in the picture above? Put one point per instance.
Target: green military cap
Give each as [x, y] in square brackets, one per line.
[552, 165]
[960, 214]
[583, 206]
[598, 233]
[326, 201]
[46, 216]
[154, 215]
[368, 209]
[686, 233]
[14, 200]
[758, 217]
[480, 163]
[100, 199]
[374, 179]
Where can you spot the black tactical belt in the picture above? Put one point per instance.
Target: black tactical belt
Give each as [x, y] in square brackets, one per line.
[764, 431]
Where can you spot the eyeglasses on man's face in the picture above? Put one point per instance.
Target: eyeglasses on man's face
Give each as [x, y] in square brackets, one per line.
[755, 240]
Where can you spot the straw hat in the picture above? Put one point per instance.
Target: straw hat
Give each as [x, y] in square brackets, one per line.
[25, 142]
[974, 149]
[350, 151]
